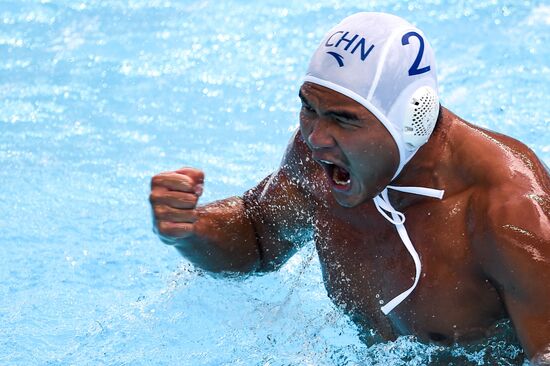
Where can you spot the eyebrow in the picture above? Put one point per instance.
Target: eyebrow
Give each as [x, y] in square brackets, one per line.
[333, 113]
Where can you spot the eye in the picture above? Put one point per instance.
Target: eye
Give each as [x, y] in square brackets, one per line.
[346, 123]
[342, 121]
[307, 108]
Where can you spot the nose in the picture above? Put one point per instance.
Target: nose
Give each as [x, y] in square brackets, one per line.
[320, 136]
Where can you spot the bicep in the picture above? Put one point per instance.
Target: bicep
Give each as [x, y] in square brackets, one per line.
[521, 267]
[527, 300]
[281, 209]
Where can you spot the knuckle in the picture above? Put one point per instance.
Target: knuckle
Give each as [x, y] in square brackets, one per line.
[163, 227]
[159, 211]
[153, 197]
[199, 176]
[157, 179]
[186, 179]
[160, 179]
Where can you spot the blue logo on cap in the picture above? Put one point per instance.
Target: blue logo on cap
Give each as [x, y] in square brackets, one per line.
[339, 58]
[350, 44]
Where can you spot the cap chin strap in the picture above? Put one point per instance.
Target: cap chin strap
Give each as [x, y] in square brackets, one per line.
[397, 218]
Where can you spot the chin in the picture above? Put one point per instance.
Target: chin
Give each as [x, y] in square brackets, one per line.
[348, 201]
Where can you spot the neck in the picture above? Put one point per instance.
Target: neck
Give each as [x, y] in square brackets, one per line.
[427, 167]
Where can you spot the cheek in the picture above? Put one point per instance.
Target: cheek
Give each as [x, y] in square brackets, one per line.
[374, 159]
[305, 125]
[390, 155]
[385, 160]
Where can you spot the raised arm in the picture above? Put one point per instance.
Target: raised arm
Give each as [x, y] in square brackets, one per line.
[257, 232]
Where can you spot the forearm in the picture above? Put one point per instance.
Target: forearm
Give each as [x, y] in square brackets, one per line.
[223, 238]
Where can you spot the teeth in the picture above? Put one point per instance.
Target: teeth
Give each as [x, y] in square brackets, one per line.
[342, 183]
[326, 162]
[338, 181]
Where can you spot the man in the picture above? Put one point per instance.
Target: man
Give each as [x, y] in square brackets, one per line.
[375, 148]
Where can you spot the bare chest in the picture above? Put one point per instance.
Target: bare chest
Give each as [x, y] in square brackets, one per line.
[365, 264]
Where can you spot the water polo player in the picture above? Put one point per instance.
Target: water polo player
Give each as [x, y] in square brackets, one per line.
[424, 223]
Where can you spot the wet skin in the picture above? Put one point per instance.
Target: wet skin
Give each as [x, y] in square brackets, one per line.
[485, 248]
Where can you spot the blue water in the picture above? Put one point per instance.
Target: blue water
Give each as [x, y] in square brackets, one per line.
[98, 96]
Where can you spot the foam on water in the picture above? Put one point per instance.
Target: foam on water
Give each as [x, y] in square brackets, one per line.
[97, 96]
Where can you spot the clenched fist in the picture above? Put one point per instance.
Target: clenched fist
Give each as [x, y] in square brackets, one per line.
[173, 198]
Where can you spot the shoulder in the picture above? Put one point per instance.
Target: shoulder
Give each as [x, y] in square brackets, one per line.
[297, 153]
[295, 179]
[510, 205]
[494, 161]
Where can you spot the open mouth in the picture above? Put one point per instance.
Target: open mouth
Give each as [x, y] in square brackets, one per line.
[338, 176]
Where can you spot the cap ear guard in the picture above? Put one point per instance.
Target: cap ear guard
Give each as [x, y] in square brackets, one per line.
[420, 118]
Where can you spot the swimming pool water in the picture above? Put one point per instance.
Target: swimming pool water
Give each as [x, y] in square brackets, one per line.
[98, 96]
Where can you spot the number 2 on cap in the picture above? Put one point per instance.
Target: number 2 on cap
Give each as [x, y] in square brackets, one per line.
[414, 70]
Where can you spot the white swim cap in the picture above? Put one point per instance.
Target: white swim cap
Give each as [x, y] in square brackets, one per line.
[384, 63]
